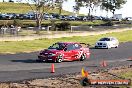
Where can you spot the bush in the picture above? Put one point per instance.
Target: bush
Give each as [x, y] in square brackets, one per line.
[63, 26]
[108, 23]
[17, 22]
[29, 25]
[45, 24]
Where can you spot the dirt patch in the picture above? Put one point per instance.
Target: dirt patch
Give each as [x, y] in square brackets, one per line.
[70, 81]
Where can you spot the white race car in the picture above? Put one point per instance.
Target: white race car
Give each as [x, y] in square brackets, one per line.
[107, 42]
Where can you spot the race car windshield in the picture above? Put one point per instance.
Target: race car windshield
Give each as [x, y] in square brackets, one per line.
[104, 39]
[57, 46]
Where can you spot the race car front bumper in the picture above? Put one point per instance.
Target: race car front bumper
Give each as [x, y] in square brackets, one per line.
[45, 58]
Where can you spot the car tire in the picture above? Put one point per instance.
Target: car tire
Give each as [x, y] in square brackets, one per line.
[60, 59]
[83, 57]
[108, 47]
[116, 46]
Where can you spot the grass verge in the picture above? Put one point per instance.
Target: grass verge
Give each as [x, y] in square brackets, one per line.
[127, 75]
[36, 45]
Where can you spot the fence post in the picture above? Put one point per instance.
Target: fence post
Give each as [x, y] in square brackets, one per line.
[48, 28]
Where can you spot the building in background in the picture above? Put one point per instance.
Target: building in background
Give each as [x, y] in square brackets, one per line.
[117, 16]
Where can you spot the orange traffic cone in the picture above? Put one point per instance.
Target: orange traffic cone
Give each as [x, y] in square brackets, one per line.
[103, 64]
[84, 73]
[52, 68]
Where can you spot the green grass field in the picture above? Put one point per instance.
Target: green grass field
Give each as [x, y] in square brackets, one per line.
[36, 45]
[6, 7]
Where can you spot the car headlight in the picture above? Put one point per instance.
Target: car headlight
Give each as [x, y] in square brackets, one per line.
[96, 43]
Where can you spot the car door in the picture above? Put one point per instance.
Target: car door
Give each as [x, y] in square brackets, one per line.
[77, 52]
[71, 52]
[114, 42]
[68, 52]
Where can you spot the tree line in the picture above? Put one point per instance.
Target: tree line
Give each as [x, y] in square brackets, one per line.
[42, 6]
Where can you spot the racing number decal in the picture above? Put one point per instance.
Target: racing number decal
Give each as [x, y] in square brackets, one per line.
[79, 53]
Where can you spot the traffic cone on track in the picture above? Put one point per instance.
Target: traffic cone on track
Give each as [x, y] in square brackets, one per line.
[84, 73]
[103, 64]
[52, 68]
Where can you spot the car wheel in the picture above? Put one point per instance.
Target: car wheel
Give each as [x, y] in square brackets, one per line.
[116, 46]
[59, 59]
[83, 57]
[108, 47]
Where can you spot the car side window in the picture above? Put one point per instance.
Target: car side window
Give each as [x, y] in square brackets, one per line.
[77, 46]
[70, 47]
[54, 46]
[73, 47]
[113, 39]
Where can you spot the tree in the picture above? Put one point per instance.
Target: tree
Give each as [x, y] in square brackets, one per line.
[108, 5]
[112, 5]
[77, 6]
[39, 7]
[11, 1]
[90, 4]
[59, 5]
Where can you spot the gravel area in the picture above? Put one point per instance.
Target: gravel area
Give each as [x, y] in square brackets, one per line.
[70, 80]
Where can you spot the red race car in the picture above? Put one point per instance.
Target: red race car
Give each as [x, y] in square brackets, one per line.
[64, 51]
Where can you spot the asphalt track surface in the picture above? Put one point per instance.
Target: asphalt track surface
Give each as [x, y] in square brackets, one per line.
[22, 66]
